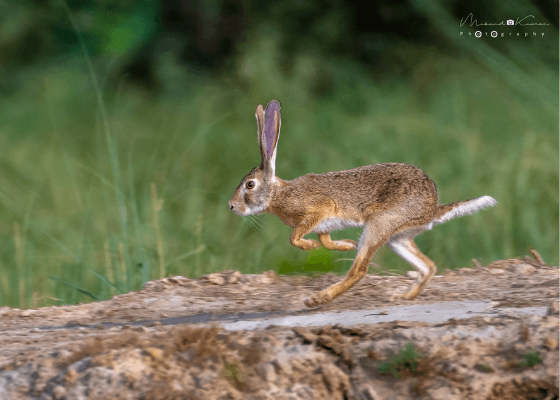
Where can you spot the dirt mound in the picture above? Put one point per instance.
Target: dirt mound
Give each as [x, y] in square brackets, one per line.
[161, 343]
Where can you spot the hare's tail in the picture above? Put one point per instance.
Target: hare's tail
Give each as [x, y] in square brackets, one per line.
[460, 208]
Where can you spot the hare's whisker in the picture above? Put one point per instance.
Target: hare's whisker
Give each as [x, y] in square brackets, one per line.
[253, 223]
[258, 221]
[248, 221]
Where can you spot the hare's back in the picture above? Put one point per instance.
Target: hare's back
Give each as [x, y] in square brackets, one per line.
[378, 183]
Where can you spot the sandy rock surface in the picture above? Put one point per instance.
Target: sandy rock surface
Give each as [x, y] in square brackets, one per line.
[166, 341]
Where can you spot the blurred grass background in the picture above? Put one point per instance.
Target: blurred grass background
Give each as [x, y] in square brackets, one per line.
[120, 151]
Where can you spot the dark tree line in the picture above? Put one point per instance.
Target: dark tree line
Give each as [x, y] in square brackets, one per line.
[207, 35]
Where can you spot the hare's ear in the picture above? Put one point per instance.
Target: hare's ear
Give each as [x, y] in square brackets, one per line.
[269, 137]
[259, 114]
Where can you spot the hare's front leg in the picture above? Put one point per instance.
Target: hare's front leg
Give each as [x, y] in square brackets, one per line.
[340, 245]
[296, 238]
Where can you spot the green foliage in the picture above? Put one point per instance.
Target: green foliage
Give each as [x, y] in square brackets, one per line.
[233, 373]
[530, 359]
[484, 368]
[317, 261]
[104, 188]
[407, 359]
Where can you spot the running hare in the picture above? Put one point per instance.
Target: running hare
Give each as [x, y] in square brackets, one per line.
[392, 202]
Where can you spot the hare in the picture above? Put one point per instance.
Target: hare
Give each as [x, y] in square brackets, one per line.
[392, 202]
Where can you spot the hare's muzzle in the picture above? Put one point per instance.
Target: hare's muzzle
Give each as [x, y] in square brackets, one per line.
[237, 209]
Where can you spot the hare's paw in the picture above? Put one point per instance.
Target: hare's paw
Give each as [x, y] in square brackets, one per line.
[307, 244]
[340, 245]
[411, 294]
[397, 297]
[317, 299]
[345, 244]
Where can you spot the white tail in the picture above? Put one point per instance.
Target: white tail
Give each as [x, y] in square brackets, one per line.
[465, 208]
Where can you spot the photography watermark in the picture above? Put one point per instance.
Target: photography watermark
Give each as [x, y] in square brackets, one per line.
[502, 29]
[495, 34]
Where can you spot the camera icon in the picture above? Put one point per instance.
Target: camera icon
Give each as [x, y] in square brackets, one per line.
[510, 22]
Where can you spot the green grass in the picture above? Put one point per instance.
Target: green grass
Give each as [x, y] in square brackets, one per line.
[100, 193]
[405, 361]
[530, 359]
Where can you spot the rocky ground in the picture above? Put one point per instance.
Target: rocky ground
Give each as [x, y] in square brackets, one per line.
[167, 341]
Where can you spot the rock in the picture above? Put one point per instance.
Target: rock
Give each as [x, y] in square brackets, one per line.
[299, 392]
[215, 278]
[154, 353]
[338, 348]
[56, 353]
[269, 277]
[222, 278]
[70, 376]
[550, 343]
[407, 334]
[496, 271]
[370, 394]
[442, 393]
[305, 334]
[524, 269]
[412, 274]
[281, 367]
[177, 280]
[173, 281]
[266, 278]
[336, 380]
[465, 271]
[234, 277]
[150, 285]
[447, 337]
[553, 308]
[552, 272]
[59, 392]
[266, 372]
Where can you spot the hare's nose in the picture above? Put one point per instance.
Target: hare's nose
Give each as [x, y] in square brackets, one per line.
[230, 205]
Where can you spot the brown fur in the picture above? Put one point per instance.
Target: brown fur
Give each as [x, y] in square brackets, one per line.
[393, 202]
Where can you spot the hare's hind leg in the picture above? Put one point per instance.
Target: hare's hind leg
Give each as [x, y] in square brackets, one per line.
[340, 245]
[371, 240]
[407, 249]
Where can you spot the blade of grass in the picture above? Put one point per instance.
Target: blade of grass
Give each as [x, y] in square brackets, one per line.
[200, 248]
[107, 281]
[157, 204]
[57, 242]
[111, 146]
[140, 252]
[75, 287]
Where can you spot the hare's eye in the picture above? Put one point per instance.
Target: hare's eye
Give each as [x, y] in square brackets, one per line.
[250, 184]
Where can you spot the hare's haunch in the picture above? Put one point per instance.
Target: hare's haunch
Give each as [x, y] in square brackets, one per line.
[392, 202]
